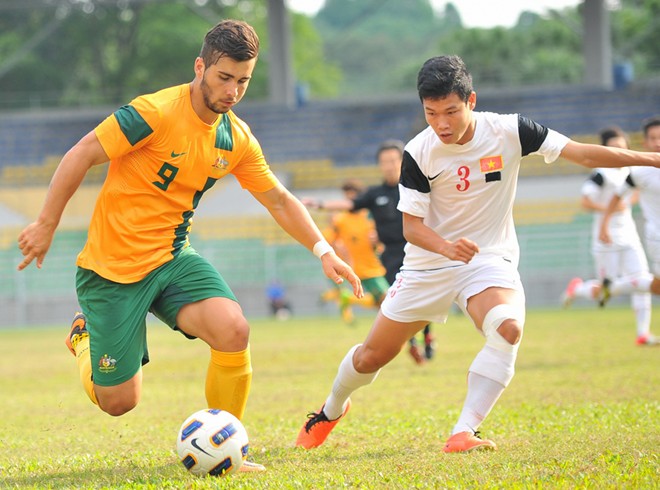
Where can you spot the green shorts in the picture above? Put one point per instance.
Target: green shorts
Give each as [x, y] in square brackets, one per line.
[377, 286]
[116, 313]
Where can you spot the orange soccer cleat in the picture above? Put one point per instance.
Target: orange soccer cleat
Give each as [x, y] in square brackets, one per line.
[568, 296]
[416, 354]
[463, 442]
[647, 339]
[318, 427]
[77, 333]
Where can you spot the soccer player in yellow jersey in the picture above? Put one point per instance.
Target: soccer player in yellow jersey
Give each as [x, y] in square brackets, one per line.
[165, 150]
[353, 235]
[381, 201]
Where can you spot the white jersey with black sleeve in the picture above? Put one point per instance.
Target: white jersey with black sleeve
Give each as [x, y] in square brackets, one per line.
[601, 185]
[647, 181]
[468, 190]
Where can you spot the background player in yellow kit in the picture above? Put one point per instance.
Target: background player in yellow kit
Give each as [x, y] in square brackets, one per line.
[165, 150]
[354, 237]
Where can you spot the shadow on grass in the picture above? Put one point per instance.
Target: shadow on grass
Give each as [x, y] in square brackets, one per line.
[167, 475]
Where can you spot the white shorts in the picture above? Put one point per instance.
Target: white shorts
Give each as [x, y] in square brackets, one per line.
[428, 295]
[627, 262]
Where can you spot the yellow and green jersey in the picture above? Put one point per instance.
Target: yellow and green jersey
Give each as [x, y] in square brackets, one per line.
[354, 230]
[163, 158]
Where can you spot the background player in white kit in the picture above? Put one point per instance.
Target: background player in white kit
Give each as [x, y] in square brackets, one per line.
[647, 182]
[458, 182]
[623, 254]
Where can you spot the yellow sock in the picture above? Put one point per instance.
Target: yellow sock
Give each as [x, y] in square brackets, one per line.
[330, 295]
[228, 381]
[84, 361]
[367, 300]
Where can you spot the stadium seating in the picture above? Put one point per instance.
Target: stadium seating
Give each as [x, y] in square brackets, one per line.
[313, 149]
[324, 174]
[345, 132]
[27, 202]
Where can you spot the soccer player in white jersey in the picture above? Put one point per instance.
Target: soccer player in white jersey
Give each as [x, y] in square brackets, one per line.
[623, 255]
[647, 182]
[457, 186]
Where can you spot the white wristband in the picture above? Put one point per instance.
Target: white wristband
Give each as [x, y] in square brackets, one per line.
[321, 248]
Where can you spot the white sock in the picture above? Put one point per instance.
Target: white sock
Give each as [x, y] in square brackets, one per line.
[585, 289]
[482, 394]
[346, 382]
[629, 285]
[641, 303]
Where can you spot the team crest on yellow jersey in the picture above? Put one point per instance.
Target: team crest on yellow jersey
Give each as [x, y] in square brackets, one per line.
[219, 166]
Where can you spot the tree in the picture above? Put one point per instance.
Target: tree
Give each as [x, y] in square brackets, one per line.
[62, 52]
[73, 52]
[312, 69]
[376, 41]
[536, 51]
[636, 35]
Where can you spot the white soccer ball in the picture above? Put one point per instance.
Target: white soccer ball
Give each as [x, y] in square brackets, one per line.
[212, 442]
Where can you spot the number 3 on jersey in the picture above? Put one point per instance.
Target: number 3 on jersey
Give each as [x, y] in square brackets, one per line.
[463, 174]
[167, 172]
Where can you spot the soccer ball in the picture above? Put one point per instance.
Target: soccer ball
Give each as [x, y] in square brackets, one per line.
[212, 442]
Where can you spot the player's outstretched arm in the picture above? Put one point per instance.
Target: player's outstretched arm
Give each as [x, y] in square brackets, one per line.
[329, 205]
[594, 156]
[34, 241]
[294, 218]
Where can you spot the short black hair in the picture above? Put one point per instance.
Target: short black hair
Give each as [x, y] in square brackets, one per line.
[232, 38]
[355, 185]
[650, 123]
[444, 75]
[610, 132]
[390, 145]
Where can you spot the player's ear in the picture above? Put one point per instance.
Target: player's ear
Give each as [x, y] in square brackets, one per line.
[199, 67]
[472, 101]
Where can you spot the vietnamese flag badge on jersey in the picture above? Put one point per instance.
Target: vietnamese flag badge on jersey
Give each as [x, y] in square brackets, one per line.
[491, 164]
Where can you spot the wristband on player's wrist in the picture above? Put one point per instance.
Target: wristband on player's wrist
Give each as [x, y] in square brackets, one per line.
[321, 248]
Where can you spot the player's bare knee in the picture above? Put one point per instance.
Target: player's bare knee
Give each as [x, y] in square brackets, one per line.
[117, 407]
[367, 360]
[232, 334]
[511, 330]
[240, 331]
[503, 327]
[655, 286]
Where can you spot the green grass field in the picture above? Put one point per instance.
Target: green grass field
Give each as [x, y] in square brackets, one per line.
[583, 411]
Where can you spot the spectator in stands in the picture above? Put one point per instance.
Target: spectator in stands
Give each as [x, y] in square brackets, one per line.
[353, 236]
[622, 256]
[381, 200]
[165, 150]
[646, 181]
[458, 183]
[279, 304]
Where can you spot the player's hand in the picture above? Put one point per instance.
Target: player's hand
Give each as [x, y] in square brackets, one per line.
[604, 236]
[310, 203]
[337, 270]
[34, 242]
[462, 250]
